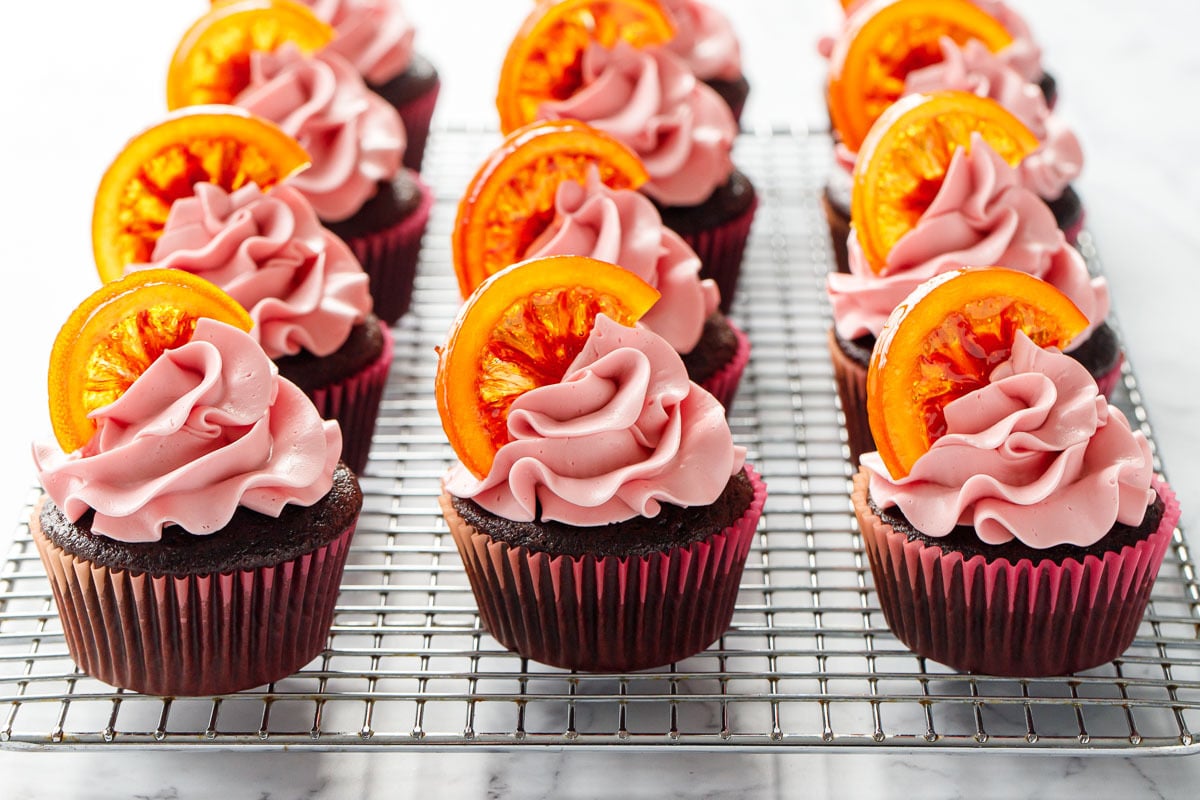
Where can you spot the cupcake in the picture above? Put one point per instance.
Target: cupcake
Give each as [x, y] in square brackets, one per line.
[195, 541]
[622, 227]
[377, 38]
[706, 41]
[304, 289]
[683, 132]
[1025, 537]
[609, 529]
[988, 66]
[982, 214]
[357, 183]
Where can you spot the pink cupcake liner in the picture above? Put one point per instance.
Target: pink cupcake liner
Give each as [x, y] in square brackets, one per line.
[1107, 383]
[1025, 619]
[417, 114]
[1072, 232]
[608, 614]
[851, 380]
[389, 257]
[720, 249]
[195, 634]
[354, 403]
[723, 384]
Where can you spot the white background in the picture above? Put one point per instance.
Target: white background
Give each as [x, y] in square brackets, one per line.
[79, 78]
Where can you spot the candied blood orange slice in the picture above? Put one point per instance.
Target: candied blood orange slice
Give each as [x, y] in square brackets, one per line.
[944, 341]
[519, 330]
[904, 159]
[115, 334]
[883, 41]
[218, 144]
[544, 61]
[211, 64]
[510, 201]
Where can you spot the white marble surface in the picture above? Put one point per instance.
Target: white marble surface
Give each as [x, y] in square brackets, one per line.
[81, 77]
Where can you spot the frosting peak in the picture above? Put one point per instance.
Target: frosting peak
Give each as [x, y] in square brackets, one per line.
[207, 427]
[705, 40]
[648, 99]
[1037, 455]
[301, 284]
[355, 138]
[982, 215]
[623, 227]
[624, 431]
[373, 35]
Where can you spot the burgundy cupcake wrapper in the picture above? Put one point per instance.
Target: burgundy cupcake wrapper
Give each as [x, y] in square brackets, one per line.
[723, 384]
[1072, 232]
[1017, 620]
[608, 614]
[720, 249]
[417, 114]
[851, 379]
[197, 634]
[1107, 383]
[389, 257]
[354, 403]
[839, 232]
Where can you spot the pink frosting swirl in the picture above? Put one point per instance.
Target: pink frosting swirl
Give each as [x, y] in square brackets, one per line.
[354, 137]
[373, 35]
[705, 40]
[1036, 455]
[623, 227]
[300, 282]
[648, 99]
[981, 216]
[973, 68]
[208, 427]
[624, 431]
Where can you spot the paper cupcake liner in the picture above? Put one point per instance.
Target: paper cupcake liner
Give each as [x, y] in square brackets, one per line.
[1107, 383]
[417, 114]
[1071, 232]
[851, 380]
[197, 634]
[723, 384]
[607, 614]
[998, 618]
[354, 403]
[720, 249]
[839, 232]
[389, 257]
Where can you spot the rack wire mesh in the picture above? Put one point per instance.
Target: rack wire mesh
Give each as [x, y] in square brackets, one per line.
[808, 662]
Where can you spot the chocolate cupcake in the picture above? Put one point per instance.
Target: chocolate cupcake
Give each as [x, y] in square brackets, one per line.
[186, 564]
[998, 555]
[306, 291]
[683, 132]
[377, 38]
[357, 181]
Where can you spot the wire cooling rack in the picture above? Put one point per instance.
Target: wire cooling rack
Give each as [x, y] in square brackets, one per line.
[808, 662]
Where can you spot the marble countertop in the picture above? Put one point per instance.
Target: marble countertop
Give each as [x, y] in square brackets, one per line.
[1128, 82]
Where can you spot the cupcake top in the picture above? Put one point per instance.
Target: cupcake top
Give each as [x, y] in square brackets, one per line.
[622, 227]
[648, 99]
[982, 214]
[974, 68]
[209, 426]
[1024, 54]
[705, 40]
[1036, 454]
[621, 433]
[373, 35]
[301, 284]
[356, 139]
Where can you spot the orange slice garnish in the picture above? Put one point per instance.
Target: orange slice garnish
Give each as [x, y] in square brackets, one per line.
[510, 201]
[544, 61]
[944, 341]
[211, 64]
[115, 334]
[884, 40]
[218, 144]
[519, 330]
[904, 159]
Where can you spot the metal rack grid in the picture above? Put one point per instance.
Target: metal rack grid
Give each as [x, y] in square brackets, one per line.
[808, 662]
